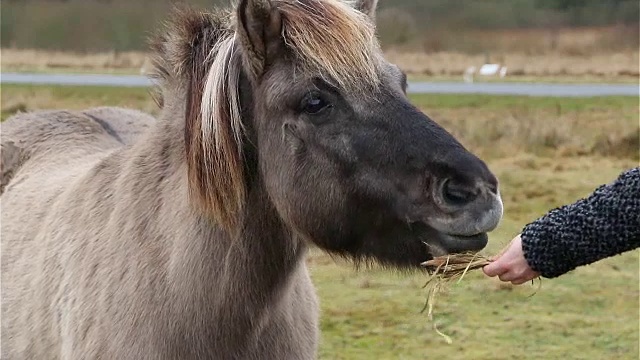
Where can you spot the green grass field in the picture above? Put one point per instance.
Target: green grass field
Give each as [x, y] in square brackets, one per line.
[546, 152]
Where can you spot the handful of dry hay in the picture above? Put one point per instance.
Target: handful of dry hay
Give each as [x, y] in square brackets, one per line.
[444, 270]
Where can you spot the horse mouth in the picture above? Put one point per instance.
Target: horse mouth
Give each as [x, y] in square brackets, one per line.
[440, 244]
[460, 243]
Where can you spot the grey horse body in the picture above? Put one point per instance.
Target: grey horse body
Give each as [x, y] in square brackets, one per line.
[282, 126]
[114, 282]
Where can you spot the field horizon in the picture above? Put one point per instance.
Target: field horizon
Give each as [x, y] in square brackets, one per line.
[616, 67]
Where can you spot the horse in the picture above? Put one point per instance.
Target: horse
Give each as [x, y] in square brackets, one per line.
[281, 127]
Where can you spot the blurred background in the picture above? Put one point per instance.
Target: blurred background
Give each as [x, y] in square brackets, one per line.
[430, 38]
[546, 150]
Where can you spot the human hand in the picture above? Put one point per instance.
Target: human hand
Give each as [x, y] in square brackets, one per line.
[511, 265]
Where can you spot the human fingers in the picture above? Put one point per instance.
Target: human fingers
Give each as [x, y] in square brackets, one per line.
[518, 276]
[495, 268]
[509, 276]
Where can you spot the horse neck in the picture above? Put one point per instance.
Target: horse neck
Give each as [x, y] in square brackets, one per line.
[232, 279]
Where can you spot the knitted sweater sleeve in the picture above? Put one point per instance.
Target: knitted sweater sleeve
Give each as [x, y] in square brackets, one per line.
[604, 224]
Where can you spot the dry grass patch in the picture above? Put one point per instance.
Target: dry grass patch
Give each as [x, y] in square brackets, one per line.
[50, 61]
[499, 126]
[21, 98]
[612, 66]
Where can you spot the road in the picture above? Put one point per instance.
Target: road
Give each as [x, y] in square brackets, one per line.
[527, 89]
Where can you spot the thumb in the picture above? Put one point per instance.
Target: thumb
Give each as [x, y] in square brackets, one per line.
[494, 268]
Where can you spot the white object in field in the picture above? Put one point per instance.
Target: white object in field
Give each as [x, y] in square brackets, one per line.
[485, 70]
[489, 69]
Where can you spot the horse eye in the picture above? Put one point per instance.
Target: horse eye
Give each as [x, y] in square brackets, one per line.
[313, 104]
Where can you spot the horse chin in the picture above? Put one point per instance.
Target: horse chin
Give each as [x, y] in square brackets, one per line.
[405, 247]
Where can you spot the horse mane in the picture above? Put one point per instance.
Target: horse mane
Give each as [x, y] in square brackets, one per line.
[198, 54]
[331, 38]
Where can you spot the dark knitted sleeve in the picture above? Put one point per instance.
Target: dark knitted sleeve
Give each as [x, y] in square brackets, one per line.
[604, 224]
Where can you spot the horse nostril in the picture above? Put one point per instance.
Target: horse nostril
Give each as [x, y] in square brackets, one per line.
[458, 194]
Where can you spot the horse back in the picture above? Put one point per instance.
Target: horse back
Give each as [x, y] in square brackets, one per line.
[46, 139]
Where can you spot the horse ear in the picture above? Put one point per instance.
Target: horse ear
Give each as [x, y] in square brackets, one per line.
[259, 27]
[367, 7]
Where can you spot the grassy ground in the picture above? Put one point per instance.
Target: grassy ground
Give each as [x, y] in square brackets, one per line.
[546, 152]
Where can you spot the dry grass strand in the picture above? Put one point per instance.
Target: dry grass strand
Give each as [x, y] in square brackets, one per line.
[454, 266]
[444, 270]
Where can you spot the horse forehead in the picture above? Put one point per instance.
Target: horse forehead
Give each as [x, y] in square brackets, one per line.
[278, 95]
[286, 79]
